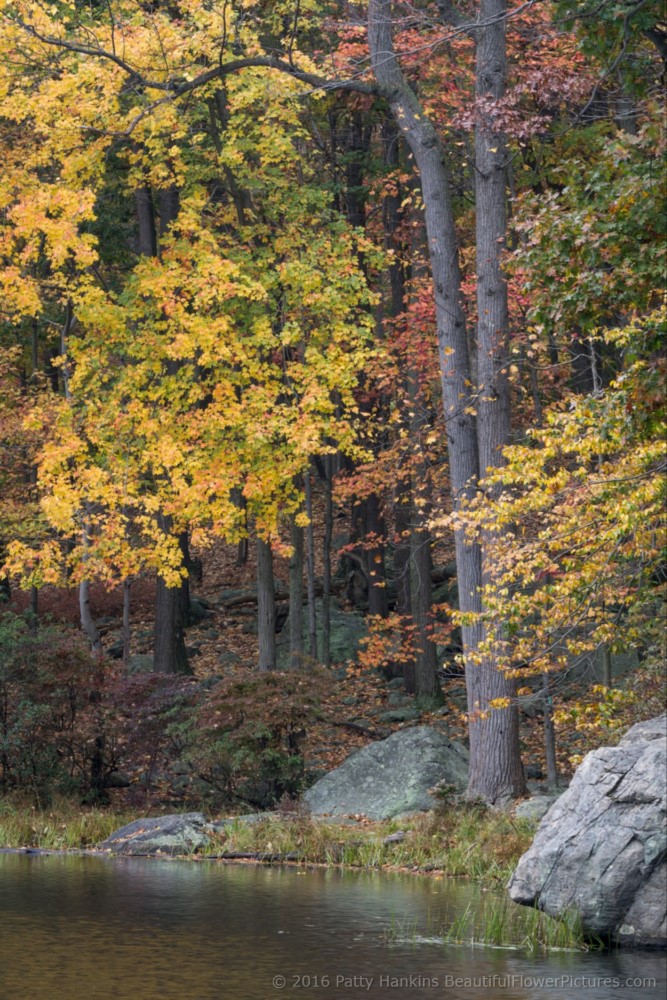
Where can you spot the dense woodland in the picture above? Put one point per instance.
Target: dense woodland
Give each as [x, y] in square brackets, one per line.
[369, 295]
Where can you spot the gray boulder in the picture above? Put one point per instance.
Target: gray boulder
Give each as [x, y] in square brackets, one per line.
[391, 777]
[535, 807]
[347, 630]
[602, 847]
[406, 714]
[187, 833]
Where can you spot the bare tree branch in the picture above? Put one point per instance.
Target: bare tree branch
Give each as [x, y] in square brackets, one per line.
[179, 85]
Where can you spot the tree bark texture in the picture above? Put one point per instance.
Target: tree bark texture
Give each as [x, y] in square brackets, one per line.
[169, 653]
[326, 572]
[87, 623]
[310, 569]
[266, 607]
[494, 735]
[296, 598]
[143, 199]
[392, 216]
[497, 772]
[424, 675]
[426, 685]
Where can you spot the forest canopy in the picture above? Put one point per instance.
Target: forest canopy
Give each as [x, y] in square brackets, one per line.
[272, 268]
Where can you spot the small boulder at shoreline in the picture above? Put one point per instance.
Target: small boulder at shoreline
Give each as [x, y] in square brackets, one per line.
[601, 850]
[186, 833]
[392, 777]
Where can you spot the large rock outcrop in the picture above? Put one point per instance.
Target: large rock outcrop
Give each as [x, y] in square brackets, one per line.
[391, 777]
[602, 847]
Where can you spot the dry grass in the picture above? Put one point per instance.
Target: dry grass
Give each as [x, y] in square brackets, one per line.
[64, 826]
[463, 841]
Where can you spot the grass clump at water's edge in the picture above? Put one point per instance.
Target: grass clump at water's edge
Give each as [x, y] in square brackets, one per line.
[463, 840]
[497, 922]
[500, 923]
[64, 826]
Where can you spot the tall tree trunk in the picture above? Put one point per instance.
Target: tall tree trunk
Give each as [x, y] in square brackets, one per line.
[169, 653]
[392, 217]
[494, 735]
[169, 204]
[491, 777]
[296, 597]
[266, 607]
[549, 733]
[310, 568]
[326, 573]
[242, 546]
[127, 627]
[87, 623]
[426, 687]
[143, 199]
[171, 603]
[184, 607]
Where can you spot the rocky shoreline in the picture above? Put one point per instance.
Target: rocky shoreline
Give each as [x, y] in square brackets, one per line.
[600, 850]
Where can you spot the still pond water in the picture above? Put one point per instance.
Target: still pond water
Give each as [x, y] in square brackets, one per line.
[100, 929]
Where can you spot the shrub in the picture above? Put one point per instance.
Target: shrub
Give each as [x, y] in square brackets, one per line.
[243, 736]
[55, 731]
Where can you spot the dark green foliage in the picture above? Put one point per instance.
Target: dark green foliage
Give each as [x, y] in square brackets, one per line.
[68, 721]
[243, 736]
[54, 732]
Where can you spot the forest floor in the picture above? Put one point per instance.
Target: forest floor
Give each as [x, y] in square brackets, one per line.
[350, 703]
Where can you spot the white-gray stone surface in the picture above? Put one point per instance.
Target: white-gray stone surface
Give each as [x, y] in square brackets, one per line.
[601, 849]
[185, 833]
[392, 777]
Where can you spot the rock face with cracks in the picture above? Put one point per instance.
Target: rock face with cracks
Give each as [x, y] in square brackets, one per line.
[601, 849]
[391, 777]
[186, 833]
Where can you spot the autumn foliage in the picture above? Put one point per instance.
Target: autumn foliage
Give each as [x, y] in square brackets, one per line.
[218, 298]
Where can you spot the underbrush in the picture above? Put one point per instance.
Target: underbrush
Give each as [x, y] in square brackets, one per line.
[73, 724]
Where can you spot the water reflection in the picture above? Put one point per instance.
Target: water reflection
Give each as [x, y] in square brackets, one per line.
[97, 928]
